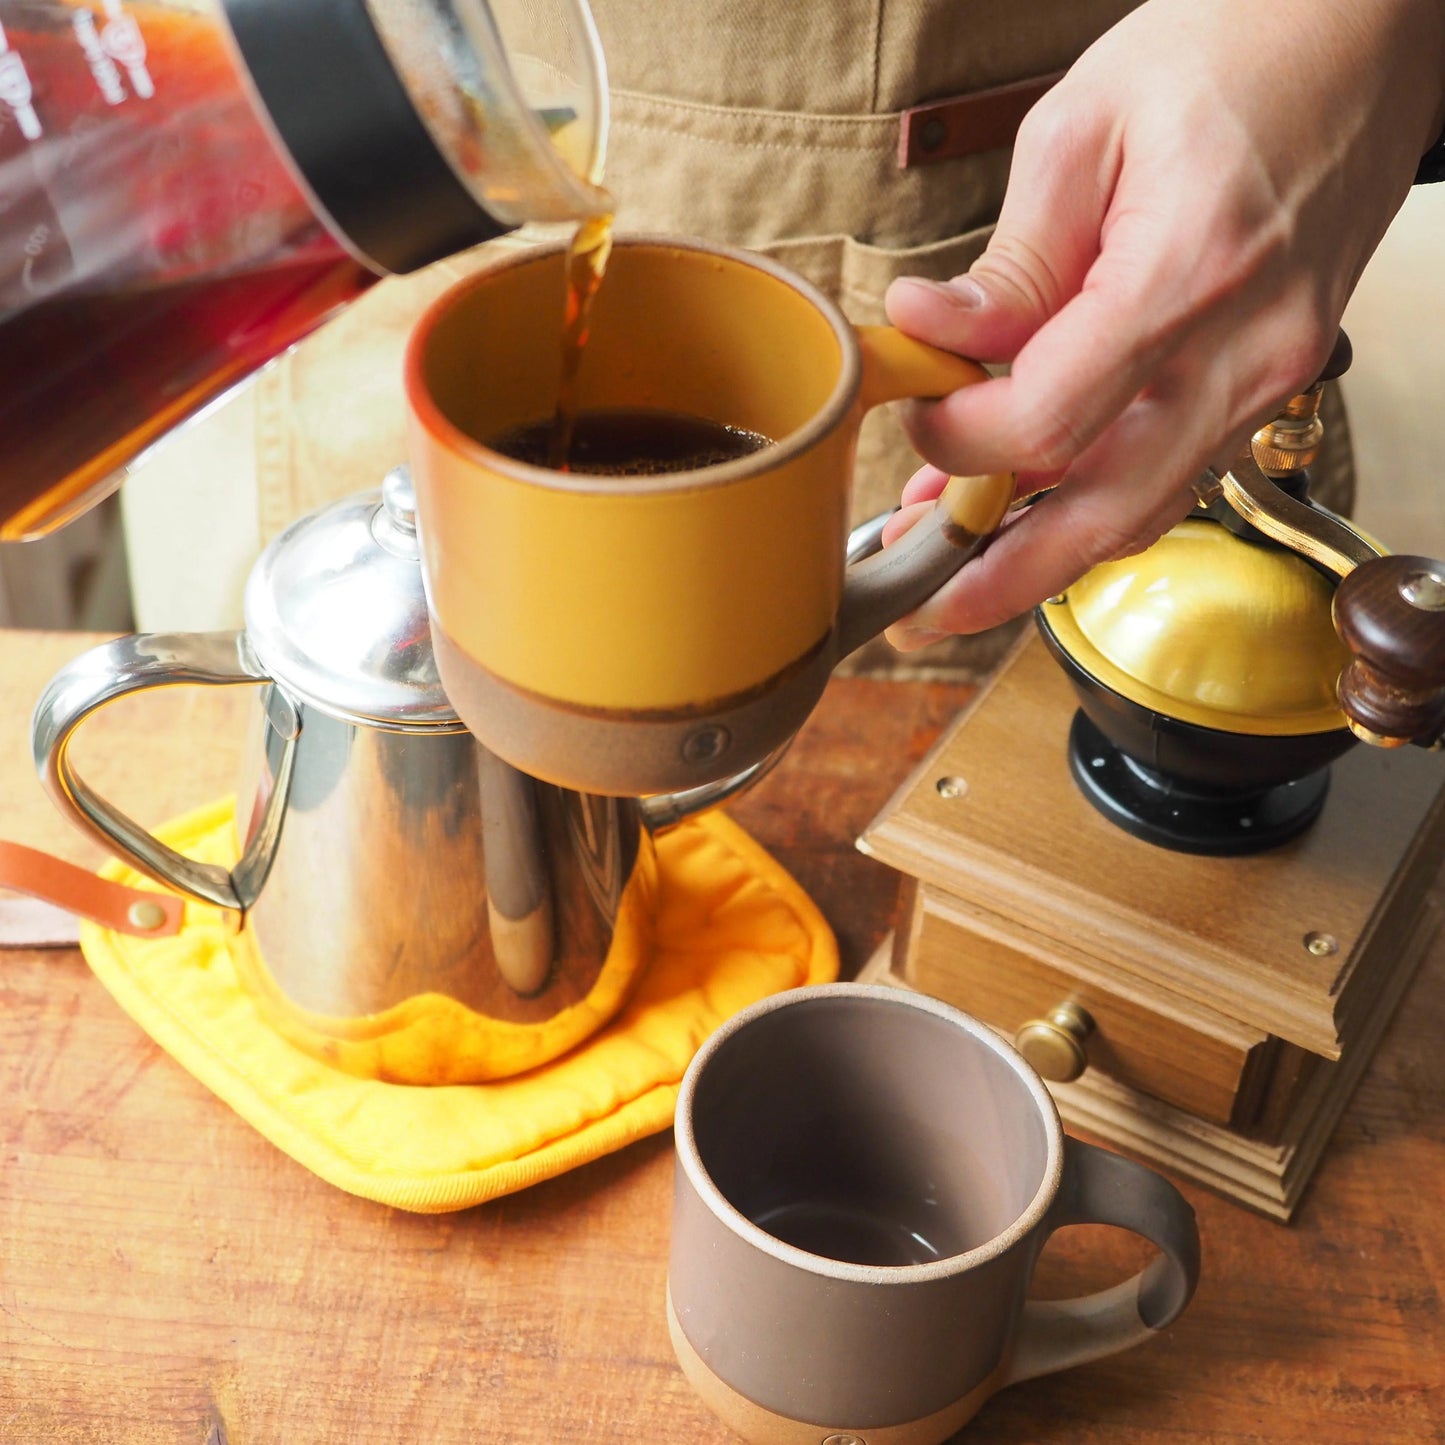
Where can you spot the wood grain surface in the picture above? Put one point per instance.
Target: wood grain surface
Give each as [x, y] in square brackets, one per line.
[168, 1276]
[1165, 1046]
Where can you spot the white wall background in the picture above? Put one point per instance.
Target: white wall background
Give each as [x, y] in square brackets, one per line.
[1395, 390]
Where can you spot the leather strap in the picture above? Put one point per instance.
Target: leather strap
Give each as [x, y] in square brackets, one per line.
[125, 910]
[964, 125]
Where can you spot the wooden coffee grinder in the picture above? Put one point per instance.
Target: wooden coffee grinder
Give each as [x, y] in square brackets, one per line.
[1151, 852]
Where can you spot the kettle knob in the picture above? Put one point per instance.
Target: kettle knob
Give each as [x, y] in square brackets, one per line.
[1390, 613]
[393, 525]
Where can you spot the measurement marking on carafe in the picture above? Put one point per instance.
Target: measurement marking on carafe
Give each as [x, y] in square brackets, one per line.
[103, 70]
[16, 90]
[126, 46]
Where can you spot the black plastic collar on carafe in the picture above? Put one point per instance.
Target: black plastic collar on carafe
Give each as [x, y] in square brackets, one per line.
[352, 131]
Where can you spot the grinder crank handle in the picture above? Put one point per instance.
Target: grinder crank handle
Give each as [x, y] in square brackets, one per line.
[1388, 610]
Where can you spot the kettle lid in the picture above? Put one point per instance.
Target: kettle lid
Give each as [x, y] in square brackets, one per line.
[336, 612]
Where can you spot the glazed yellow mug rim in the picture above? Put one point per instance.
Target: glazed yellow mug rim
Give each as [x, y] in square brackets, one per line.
[796, 443]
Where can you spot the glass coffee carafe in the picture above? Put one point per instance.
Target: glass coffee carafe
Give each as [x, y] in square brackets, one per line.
[187, 187]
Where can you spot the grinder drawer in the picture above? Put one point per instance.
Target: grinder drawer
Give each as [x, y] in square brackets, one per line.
[1152, 1040]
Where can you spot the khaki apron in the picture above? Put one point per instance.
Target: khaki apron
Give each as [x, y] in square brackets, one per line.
[773, 126]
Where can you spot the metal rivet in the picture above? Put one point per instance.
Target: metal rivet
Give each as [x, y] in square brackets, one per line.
[952, 787]
[845, 1440]
[933, 134]
[706, 744]
[146, 916]
[1322, 945]
[1058, 599]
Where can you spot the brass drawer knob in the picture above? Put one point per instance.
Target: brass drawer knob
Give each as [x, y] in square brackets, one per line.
[1055, 1045]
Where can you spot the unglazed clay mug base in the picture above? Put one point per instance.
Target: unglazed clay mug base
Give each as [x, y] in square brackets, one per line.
[865, 1178]
[642, 634]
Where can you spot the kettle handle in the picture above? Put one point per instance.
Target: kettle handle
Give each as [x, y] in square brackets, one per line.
[660, 811]
[132, 664]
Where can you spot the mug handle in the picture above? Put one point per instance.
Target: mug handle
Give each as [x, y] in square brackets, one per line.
[885, 587]
[660, 811]
[1100, 1187]
[133, 664]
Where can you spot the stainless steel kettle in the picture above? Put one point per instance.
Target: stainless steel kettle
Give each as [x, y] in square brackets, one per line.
[405, 889]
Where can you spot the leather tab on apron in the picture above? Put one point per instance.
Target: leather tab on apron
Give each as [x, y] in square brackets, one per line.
[966, 125]
[124, 910]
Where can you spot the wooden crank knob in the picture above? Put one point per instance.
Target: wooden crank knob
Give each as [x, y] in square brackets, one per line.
[1390, 613]
[1054, 1046]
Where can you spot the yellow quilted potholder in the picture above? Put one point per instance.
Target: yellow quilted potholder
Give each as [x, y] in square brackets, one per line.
[732, 927]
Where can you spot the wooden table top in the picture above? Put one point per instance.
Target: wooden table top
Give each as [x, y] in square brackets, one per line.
[166, 1275]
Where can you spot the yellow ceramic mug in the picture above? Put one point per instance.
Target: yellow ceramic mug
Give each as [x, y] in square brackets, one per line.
[638, 634]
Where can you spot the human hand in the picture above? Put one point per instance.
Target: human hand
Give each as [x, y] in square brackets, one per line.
[1188, 212]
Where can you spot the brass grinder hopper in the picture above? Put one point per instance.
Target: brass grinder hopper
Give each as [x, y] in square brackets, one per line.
[1220, 672]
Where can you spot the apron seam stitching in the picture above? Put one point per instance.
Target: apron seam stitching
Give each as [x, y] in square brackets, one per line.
[882, 146]
[877, 55]
[733, 114]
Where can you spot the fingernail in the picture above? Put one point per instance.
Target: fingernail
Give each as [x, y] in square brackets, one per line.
[910, 639]
[963, 294]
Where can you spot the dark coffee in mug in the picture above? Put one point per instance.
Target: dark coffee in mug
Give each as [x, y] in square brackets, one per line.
[861, 1226]
[631, 442]
[871, 1193]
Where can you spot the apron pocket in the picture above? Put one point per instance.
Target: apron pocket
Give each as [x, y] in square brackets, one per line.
[757, 177]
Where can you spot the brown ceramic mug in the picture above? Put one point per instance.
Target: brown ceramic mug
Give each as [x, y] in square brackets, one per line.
[865, 1178]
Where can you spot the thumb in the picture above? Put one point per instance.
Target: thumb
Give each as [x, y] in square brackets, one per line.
[1047, 237]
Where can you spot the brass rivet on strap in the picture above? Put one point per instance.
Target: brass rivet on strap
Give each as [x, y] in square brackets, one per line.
[146, 916]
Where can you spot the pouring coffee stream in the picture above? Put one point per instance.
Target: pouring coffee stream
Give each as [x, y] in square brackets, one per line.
[586, 266]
